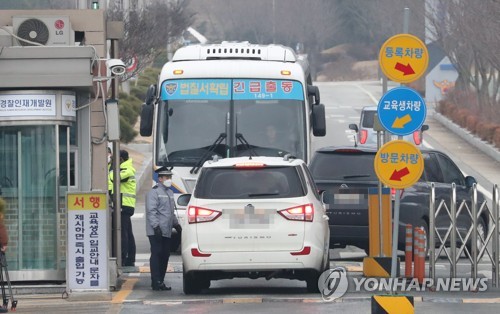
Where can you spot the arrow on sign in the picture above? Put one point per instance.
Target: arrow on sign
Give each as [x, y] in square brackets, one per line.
[399, 123]
[406, 69]
[397, 175]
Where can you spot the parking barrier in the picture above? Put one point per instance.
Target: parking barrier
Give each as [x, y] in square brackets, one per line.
[408, 251]
[416, 253]
[421, 255]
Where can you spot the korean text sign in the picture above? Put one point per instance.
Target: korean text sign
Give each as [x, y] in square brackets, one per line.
[87, 258]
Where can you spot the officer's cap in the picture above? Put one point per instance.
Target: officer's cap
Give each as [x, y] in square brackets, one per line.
[164, 171]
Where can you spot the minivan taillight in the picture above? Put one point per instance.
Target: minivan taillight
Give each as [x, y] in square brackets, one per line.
[199, 214]
[417, 137]
[299, 213]
[363, 136]
[393, 193]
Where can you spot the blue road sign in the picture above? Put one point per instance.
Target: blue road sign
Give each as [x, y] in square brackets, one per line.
[402, 111]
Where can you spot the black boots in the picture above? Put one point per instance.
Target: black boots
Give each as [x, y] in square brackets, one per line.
[160, 286]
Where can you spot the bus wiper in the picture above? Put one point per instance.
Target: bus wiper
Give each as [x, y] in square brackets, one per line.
[243, 141]
[206, 155]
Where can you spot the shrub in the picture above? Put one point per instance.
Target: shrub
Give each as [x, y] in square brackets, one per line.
[471, 122]
[127, 132]
[444, 107]
[486, 130]
[496, 137]
[459, 116]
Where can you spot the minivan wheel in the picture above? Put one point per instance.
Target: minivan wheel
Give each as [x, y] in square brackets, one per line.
[191, 284]
[312, 282]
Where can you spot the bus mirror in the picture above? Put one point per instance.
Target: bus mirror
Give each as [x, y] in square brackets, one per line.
[313, 91]
[318, 120]
[147, 112]
[150, 95]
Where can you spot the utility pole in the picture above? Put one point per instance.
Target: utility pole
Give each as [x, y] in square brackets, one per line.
[117, 240]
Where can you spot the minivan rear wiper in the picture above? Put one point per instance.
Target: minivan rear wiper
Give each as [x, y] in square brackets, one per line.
[206, 155]
[357, 176]
[263, 194]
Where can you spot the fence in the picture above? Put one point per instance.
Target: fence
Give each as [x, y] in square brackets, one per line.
[457, 239]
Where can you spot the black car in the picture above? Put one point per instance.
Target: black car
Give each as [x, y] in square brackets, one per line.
[346, 170]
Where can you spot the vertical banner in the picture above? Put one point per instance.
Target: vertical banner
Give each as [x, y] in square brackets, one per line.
[87, 246]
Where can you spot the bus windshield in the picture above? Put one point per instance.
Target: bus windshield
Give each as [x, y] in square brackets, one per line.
[217, 122]
[271, 127]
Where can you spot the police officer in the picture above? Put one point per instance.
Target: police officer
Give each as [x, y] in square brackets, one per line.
[110, 170]
[160, 219]
[127, 190]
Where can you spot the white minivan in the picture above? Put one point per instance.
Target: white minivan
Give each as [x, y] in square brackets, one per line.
[254, 217]
[367, 136]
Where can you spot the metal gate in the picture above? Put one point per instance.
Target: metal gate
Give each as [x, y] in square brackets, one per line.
[453, 240]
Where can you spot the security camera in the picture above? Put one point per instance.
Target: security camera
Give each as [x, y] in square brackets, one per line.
[116, 66]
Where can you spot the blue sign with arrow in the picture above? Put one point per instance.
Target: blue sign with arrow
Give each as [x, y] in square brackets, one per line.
[401, 111]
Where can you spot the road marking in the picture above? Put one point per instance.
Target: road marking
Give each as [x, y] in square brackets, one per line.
[492, 300]
[138, 216]
[375, 101]
[242, 300]
[125, 290]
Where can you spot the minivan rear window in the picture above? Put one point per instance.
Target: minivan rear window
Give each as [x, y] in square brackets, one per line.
[368, 117]
[234, 183]
[344, 166]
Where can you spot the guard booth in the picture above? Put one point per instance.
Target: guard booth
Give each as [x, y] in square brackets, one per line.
[50, 124]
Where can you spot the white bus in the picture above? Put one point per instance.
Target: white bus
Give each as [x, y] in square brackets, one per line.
[230, 99]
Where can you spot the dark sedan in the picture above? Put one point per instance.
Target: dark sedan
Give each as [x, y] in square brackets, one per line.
[341, 171]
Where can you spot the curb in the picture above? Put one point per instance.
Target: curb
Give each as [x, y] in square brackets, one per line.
[470, 138]
[39, 303]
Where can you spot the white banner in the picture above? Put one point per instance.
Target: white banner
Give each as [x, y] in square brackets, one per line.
[27, 105]
[87, 262]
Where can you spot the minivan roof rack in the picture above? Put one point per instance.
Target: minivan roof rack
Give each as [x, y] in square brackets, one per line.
[289, 157]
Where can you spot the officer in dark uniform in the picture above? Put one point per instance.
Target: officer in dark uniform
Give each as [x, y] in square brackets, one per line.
[160, 219]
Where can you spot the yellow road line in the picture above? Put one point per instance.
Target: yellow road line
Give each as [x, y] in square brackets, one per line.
[492, 300]
[126, 289]
[242, 300]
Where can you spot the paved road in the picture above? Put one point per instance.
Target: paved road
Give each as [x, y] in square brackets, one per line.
[269, 296]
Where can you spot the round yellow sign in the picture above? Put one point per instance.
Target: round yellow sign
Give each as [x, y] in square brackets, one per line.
[403, 58]
[399, 164]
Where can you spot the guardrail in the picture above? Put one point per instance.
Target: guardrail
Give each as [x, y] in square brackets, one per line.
[453, 243]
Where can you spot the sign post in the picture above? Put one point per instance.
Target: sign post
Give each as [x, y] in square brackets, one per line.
[403, 58]
[399, 164]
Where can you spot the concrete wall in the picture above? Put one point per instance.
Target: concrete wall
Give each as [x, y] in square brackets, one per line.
[93, 24]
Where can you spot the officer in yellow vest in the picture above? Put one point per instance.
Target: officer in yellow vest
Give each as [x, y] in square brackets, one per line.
[110, 171]
[128, 198]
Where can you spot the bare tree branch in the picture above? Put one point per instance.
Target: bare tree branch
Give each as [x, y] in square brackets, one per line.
[149, 29]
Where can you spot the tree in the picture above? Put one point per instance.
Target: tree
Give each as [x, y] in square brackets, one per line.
[467, 30]
[149, 29]
[33, 5]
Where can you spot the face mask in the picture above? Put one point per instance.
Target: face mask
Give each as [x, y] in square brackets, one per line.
[167, 183]
[109, 159]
